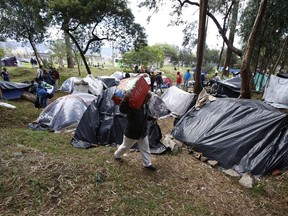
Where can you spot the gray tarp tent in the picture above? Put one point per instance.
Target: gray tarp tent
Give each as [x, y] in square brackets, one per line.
[246, 135]
[276, 92]
[63, 113]
[103, 124]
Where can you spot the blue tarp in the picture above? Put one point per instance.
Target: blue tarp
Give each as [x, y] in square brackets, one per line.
[12, 90]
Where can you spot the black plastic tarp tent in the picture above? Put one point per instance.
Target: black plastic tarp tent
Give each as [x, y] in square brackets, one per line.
[246, 135]
[103, 124]
[230, 87]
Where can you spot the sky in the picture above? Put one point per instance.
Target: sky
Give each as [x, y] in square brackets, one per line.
[158, 30]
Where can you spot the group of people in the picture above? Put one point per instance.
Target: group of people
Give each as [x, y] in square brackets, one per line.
[46, 83]
[156, 78]
[187, 77]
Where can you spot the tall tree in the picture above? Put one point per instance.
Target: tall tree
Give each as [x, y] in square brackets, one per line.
[177, 7]
[69, 54]
[273, 30]
[201, 45]
[90, 23]
[245, 67]
[232, 31]
[24, 21]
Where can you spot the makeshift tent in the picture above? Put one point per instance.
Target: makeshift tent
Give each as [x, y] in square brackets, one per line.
[12, 90]
[276, 92]
[177, 100]
[86, 85]
[103, 124]
[157, 107]
[234, 71]
[9, 61]
[68, 84]
[167, 82]
[63, 113]
[230, 87]
[260, 81]
[246, 135]
[109, 81]
[118, 75]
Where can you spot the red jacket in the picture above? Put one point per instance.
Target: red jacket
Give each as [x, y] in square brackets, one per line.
[179, 79]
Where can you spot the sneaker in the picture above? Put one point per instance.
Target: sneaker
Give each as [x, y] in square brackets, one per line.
[152, 168]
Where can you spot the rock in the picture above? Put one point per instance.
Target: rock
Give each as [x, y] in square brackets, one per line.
[276, 172]
[18, 154]
[203, 159]
[247, 180]
[170, 142]
[197, 155]
[212, 163]
[232, 173]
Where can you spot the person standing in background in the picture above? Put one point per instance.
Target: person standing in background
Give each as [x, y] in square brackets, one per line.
[187, 77]
[55, 76]
[159, 81]
[152, 81]
[178, 79]
[5, 75]
[39, 72]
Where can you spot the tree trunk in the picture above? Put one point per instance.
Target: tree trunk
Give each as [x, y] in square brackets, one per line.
[38, 58]
[82, 54]
[200, 45]
[232, 31]
[70, 62]
[280, 56]
[245, 70]
[220, 56]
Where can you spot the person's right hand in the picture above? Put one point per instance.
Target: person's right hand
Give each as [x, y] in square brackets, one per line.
[127, 95]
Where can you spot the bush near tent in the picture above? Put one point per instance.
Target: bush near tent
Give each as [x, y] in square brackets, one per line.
[246, 135]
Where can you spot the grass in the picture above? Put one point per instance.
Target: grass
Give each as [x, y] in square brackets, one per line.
[41, 173]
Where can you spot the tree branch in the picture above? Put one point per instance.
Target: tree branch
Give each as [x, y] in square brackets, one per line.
[220, 29]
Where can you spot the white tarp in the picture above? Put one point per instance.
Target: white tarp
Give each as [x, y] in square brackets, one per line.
[276, 92]
[65, 112]
[68, 84]
[177, 100]
[95, 86]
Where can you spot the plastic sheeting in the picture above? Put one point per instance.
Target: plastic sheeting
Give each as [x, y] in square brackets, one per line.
[95, 86]
[246, 135]
[103, 124]
[260, 81]
[157, 107]
[109, 81]
[177, 100]
[63, 113]
[276, 92]
[230, 87]
[68, 85]
[12, 90]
